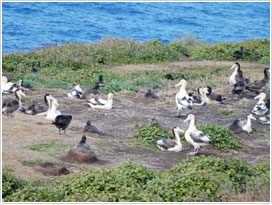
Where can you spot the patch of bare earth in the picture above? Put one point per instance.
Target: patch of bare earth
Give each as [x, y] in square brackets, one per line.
[119, 125]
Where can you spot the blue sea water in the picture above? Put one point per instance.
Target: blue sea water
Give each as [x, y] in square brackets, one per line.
[31, 25]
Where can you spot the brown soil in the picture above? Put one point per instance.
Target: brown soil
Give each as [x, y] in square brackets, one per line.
[51, 169]
[119, 125]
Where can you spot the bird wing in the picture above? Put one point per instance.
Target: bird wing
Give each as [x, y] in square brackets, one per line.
[166, 143]
[97, 101]
[256, 85]
[199, 137]
[10, 105]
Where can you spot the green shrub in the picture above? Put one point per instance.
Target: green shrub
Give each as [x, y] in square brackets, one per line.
[203, 178]
[221, 137]
[10, 184]
[188, 40]
[151, 132]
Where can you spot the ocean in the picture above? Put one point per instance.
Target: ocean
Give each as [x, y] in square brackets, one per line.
[32, 25]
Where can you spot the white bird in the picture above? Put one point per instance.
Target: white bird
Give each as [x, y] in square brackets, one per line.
[260, 108]
[99, 103]
[182, 98]
[11, 106]
[76, 92]
[232, 78]
[171, 145]
[8, 87]
[52, 112]
[242, 125]
[195, 137]
[203, 92]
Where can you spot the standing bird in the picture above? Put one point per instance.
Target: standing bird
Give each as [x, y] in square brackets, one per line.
[171, 145]
[52, 112]
[150, 94]
[83, 147]
[195, 137]
[91, 128]
[242, 125]
[11, 106]
[93, 90]
[182, 98]
[102, 61]
[239, 54]
[62, 122]
[257, 85]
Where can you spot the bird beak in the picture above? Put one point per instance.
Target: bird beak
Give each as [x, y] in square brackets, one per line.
[257, 97]
[179, 84]
[253, 118]
[233, 66]
[180, 130]
[187, 119]
[22, 94]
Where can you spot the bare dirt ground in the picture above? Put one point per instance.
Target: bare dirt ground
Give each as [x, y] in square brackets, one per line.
[119, 125]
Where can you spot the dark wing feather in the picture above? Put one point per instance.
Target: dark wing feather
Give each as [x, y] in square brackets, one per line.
[197, 136]
[167, 143]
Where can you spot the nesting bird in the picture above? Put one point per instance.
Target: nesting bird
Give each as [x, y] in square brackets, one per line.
[62, 122]
[237, 81]
[91, 128]
[24, 86]
[171, 145]
[82, 146]
[38, 108]
[99, 103]
[11, 106]
[257, 85]
[195, 137]
[242, 124]
[75, 93]
[214, 97]
[150, 94]
[261, 107]
[8, 87]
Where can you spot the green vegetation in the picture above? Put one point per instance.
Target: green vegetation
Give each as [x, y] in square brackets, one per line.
[52, 145]
[35, 161]
[63, 65]
[148, 134]
[221, 137]
[227, 112]
[196, 179]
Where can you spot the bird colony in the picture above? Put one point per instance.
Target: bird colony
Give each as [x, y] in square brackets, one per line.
[185, 102]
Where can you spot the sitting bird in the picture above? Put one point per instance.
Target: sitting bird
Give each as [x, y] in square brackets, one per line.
[239, 54]
[102, 61]
[91, 128]
[257, 85]
[24, 86]
[171, 145]
[94, 90]
[261, 107]
[82, 146]
[38, 108]
[62, 122]
[11, 106]
[75, 93]
[99, 103]
[195, 137]
[150, 94]
[169, 77]
[242, 124]
[214, 97]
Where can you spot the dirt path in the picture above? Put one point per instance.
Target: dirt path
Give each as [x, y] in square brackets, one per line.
[119, 125]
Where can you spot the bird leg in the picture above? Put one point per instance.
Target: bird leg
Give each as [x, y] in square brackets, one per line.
[64, 133]
[59, 132]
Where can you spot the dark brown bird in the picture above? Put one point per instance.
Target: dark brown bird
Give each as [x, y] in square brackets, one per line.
[239, 54]
[62, 122]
